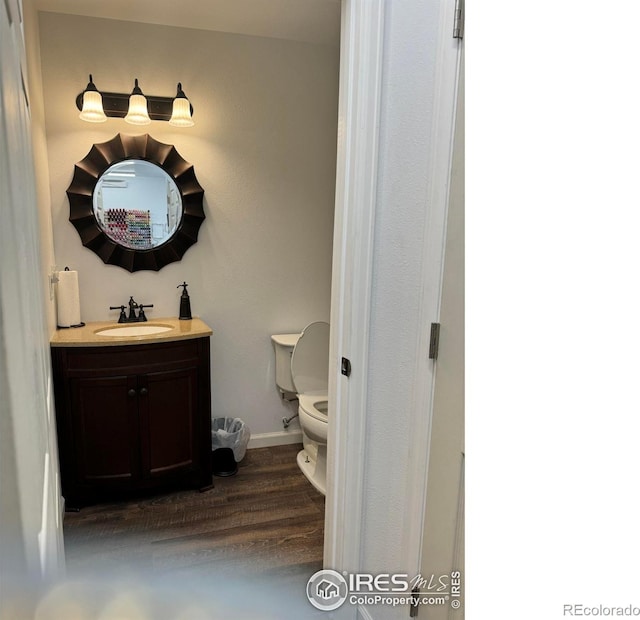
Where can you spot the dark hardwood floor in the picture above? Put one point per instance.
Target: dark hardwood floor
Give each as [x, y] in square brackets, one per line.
[256, 534]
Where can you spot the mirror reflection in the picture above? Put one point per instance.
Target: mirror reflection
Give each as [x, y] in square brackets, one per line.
[137, 204]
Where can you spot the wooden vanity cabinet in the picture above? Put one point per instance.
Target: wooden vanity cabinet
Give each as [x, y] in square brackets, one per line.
[132, 417]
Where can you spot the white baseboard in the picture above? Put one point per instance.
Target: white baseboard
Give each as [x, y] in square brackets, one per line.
[280, 438]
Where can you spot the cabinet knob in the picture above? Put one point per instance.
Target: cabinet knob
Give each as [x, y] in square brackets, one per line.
[131, 393]
[144, 391]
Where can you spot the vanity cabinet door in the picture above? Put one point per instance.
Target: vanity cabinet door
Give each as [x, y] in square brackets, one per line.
[105, 429]
[168, 404]
[132, 417]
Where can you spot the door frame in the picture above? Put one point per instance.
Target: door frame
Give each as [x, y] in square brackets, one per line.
[442, 546]
[361, 47]
[361, 92]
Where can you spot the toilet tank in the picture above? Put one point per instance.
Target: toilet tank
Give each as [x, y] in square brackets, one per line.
[284, 345]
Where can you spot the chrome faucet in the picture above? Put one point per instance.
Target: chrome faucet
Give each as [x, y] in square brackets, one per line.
[132, 318]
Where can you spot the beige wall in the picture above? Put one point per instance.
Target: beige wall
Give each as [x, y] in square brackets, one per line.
[39, 145]
[263, 148]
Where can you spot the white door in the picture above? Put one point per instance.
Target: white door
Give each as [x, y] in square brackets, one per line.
[443, 538]
[30, 520]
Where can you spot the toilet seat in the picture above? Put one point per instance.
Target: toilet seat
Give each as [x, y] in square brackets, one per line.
[312, 405]
[310, 360]
[313, 420]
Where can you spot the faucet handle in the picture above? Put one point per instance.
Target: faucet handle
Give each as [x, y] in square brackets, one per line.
[141, 315]
[123, 316]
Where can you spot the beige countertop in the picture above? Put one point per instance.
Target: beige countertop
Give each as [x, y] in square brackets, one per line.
[87, 337]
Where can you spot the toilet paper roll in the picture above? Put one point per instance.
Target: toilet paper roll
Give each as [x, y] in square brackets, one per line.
[68, 299]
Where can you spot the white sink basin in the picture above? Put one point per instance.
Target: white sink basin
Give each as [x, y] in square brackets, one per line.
[134, 330]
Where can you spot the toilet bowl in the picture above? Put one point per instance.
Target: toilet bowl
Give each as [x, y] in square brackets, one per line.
[313, 416]
[309, 376]
[312, 459]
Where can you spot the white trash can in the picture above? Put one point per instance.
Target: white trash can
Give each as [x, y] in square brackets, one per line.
[229, 440]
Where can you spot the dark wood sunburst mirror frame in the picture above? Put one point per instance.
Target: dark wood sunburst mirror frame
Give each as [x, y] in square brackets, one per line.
[86, 175]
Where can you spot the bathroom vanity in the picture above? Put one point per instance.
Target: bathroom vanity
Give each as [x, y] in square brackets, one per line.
[133, 411]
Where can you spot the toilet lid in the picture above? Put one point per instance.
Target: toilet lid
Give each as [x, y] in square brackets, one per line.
[310, 360]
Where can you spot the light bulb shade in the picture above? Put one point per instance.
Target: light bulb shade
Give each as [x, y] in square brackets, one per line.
[181, 115]
[92, 110]
[137, 114]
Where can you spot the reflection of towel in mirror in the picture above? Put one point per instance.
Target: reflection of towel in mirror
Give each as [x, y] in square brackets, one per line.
[157, 231]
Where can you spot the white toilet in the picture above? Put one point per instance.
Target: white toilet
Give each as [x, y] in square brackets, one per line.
[302, 367]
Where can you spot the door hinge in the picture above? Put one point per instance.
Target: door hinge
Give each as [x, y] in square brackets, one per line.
[434, 341]
[458, 20]
[413, 610]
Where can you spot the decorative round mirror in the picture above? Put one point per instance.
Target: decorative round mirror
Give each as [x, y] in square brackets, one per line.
[136, 203]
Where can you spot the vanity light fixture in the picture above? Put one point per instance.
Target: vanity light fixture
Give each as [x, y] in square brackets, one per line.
[135, 108]
[181, 112]
[138, 113]
[91, 107]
